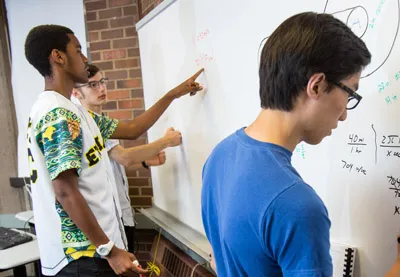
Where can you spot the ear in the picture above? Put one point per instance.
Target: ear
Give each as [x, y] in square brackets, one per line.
[58, 57]
[76, 93]
[316, 85]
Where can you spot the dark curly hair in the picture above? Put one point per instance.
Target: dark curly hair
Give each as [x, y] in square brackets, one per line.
[39, 43]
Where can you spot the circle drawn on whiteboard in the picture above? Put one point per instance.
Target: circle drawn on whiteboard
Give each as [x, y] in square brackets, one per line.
[369, 71]
[358, 20]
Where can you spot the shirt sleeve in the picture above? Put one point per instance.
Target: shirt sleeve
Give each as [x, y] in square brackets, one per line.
[296, 233]
[59, 136]
[106, 125]
[111, 143]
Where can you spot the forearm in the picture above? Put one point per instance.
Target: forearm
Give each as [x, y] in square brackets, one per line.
[136, 155]
[78, 210]
[138, 126]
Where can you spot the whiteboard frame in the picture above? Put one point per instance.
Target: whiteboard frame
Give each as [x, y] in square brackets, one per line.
[157, 10]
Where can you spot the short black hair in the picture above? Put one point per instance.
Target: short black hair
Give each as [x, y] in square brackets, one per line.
[305, 44]
[39, 43]
[92, 69]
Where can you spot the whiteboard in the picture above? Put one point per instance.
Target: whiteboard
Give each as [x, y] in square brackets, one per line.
[356, 171]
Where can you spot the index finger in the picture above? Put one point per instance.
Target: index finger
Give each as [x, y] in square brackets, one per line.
[194, 77]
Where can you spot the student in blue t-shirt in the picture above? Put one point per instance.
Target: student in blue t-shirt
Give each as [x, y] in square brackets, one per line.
[261, 218]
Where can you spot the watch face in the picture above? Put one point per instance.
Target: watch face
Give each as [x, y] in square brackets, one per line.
[103, 251]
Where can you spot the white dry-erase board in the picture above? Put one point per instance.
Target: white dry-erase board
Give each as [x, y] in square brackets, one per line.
[356, 171]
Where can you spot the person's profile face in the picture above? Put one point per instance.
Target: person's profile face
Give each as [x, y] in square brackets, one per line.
[95, 91]
[330, 108]
[77, 62]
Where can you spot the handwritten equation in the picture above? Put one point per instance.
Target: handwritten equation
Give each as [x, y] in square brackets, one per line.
[394, 186]
[205, 53]
[383, 88]
[385, 146]
[378, 12]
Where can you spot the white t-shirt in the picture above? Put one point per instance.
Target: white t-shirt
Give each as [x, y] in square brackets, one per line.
[63, 136]
[121, 182]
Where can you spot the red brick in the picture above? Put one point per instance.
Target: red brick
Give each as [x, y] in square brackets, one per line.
[135, 73]
[118, 94]
[121, 22]
[110, 105]
[97, 25]
[104, 65]
[133, 191]
[146, 4]
[131, 10]
[132, 83]
[131, 172]
[114, 54]
[133, 52]
[95, 56]
[146, 191]
[141, 201]
[143, 172]
[147, 10]
[137, 93]
[130, 32]
[116, 74]
[138, 182]
[97, 5]
[90, 16]
[137, 113]
[101, 45]
[110, 13]
[125, 43]
[120, 114]
[126, 63]
[93, 36]
[131, 104]
[117, 33]
[116, 3]
[111, 85]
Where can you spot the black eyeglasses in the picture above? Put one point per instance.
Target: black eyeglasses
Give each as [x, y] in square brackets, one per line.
[94, 84]
[354, 98]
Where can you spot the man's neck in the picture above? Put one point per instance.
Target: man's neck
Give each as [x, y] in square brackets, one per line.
[96, 109]
[277, 127]
[92, 108]
[62, 86]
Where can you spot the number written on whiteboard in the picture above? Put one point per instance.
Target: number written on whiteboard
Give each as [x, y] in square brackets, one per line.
[394, 185]
[357, 143]
[352, 168]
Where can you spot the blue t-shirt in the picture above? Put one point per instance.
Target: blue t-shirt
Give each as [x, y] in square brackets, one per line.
[261, 218]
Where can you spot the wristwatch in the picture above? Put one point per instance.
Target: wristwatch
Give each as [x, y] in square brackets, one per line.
[145, 165]
[105, 249]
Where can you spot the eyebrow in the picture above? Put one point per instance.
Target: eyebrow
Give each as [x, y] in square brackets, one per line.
[356, 87]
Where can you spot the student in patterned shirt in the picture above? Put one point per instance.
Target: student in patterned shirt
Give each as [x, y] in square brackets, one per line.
[92, 96]
[75, 202]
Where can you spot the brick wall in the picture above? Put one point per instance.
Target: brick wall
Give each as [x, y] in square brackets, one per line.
[145, 6]
[113, 46]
